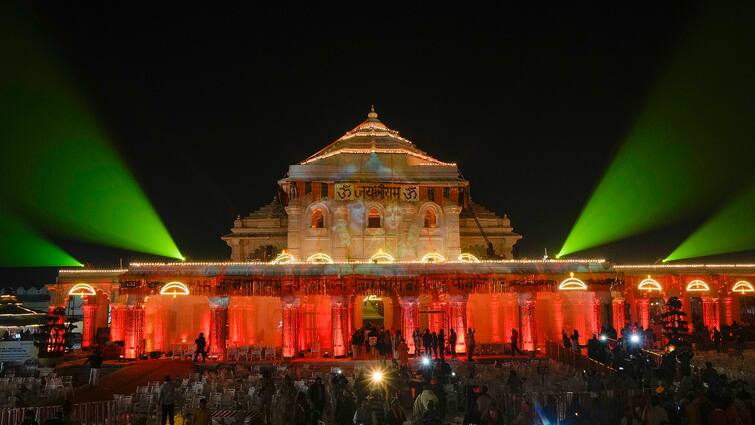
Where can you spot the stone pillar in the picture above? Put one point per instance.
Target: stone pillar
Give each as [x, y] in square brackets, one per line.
[643, 310]
[134, 332]
[558, 314]
[90, 325]
[340, 336]
[218, 329]
[295, 231]
[728, 304]
[459, 322]
[409, 321]
[528, 325]
[117, 321]
[495, 318]
[711, 316]
[617, 308]
[453, 243]
[596, 315]
[289, 339]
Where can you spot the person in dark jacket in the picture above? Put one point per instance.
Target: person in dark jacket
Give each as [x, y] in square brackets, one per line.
[316, 400]
[452, 342]
[427, 342]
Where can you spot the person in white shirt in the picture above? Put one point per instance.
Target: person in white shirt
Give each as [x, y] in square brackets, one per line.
[655, 414]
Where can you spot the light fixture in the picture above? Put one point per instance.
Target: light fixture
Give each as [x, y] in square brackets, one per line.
[381, 257]
[283, 258]
[742, 287]
[466, 257]
[650, 285]
[174, 288]
[321, 258]
[433, 257]
[572, 284]
[82, 290]
[697, 285]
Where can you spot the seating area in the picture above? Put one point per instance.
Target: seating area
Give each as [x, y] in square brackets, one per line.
[252, 353]
[44, 389]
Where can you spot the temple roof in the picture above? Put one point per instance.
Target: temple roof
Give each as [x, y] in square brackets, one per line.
[272, 210]
[479, 210]
[372, 136]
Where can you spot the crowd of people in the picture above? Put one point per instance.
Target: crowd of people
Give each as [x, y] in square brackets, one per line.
[373, 342]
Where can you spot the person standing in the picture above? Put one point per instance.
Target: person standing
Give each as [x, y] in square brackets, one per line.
[434, 344]
[470, 344]
[427, 342]
[201, 415]
[167, 399]
[417, 342]
[95, 361]
[452, 342]
[717, 339]
[201, 344]
[514, 343]
[355, 344]
[316, 399]
[403, 353]
[575, 342]
[442, 344]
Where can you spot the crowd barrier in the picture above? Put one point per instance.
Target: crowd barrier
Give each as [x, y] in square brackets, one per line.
[567, 404]
[565, 355]
[94, 413]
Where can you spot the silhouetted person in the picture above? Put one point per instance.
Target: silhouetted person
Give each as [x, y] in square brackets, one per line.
[201, 345]
[470, 344]
[514, 341]
[167, 399]
[95, 361]
[452, 342]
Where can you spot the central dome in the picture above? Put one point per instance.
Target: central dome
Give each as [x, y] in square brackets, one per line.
[371, 136]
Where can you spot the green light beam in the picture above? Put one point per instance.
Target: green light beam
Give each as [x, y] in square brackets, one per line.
[731, 229]
[57, 166]
[20, 246]
[690, 146]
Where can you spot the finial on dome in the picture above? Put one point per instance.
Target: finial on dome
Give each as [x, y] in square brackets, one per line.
[372, 114]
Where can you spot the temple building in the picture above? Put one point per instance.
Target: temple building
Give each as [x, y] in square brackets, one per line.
[371, 189]
[371, 229]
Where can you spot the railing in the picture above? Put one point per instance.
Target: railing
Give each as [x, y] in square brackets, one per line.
[95, 413]
[565, 355]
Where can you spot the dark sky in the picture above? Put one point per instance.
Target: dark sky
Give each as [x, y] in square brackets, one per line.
[209, 106]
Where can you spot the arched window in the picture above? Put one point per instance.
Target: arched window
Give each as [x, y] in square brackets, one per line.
[318, 220]
[430, 220]
[373, 219]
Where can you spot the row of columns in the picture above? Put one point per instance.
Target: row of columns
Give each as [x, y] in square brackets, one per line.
[446, 314]
[712, 313]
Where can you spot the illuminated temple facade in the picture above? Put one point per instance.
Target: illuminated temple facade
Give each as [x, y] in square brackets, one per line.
[372, 229]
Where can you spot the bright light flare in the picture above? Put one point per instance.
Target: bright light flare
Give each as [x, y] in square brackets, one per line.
[634, 338]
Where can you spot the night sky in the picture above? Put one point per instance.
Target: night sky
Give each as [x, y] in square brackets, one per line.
[208, 107]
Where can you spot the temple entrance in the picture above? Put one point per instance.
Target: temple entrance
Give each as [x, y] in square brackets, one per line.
[173, 323]
[373, 311]
[696, 307]
[657, 307]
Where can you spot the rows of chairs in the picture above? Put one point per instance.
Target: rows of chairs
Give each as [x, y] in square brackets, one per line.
[252, 353]
[17, 390]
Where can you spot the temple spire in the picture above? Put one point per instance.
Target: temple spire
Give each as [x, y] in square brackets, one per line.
[372, 114]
